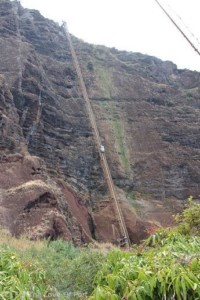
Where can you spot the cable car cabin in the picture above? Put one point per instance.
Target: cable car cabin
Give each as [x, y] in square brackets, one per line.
[123, 242]
[102, 148]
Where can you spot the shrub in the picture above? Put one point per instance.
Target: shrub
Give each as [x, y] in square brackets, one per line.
[165, 267]
[82, 271]
[90, 66]
[69, 269]
[189, 219]
[19, 280]
[171, 271]
[54, 258]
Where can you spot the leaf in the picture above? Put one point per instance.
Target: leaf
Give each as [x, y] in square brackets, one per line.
[195, 286]
[178, 288]
[184, 291]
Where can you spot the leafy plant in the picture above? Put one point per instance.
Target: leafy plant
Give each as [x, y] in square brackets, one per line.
[165, 267]
[54, 259]
[69, 269]
[171, 271]
[21, 281]
[189, 219]
[82, 271]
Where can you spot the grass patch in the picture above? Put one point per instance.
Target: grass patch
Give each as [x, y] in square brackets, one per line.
[131, 195]
[70, 271]
[107, 86]
[120, 141]
[109, 110]
[21, 244]
[104, 79]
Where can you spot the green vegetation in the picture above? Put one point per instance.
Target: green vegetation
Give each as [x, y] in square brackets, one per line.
[165, 266]
[189, 220]
[138, 207]
[107, 86]
[119, 136]
[21, 280]
[131, 195]
[55, 259]
[169, 270]
[116, 123]
[105, 80]
[191, 93]
[68, 270]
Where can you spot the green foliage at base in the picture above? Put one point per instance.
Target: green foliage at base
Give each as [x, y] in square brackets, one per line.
[69, 269]
[165, 267]
[54, 258]
[82, 271]
[168, 271]
[19, 280]
[58, 270]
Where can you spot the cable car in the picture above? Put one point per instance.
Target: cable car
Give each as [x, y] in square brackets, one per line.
[102, 148]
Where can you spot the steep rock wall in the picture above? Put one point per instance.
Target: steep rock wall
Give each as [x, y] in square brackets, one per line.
[147, 113]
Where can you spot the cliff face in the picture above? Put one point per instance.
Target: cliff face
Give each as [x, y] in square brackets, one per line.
[51, 181]
[152, 109]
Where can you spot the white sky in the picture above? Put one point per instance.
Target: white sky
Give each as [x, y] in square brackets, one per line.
[133, 25]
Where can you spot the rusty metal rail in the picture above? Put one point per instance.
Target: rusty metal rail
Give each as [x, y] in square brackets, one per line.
[104, 163]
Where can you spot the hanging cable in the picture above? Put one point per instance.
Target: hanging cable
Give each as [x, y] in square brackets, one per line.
[184, 24]
[176, 25]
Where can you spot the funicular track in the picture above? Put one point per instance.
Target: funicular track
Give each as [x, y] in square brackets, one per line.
[104, 163]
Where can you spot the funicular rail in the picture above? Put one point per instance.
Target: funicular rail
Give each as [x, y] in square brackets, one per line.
[104, 163]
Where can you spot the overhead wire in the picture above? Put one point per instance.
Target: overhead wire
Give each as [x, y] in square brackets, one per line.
[178, 27]
[184, 24]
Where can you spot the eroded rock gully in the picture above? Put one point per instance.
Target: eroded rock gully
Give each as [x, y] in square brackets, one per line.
[51, 181]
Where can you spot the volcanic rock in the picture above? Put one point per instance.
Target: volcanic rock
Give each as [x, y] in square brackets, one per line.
[51, 179]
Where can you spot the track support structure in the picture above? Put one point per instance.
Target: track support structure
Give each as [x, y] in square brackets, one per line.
[106, 170]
